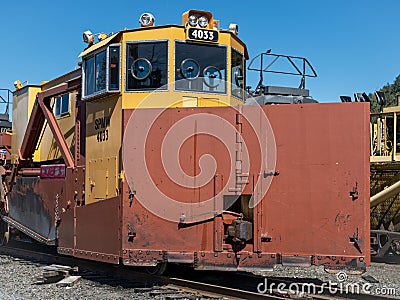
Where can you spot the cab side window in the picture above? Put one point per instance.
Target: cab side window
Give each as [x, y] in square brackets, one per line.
[237, 73]
[61, 106]
[101, 72]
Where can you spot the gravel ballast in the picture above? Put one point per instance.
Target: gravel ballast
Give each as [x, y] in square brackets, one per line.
[18, 277]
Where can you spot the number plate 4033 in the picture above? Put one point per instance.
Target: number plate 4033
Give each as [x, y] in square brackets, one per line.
[202, 35]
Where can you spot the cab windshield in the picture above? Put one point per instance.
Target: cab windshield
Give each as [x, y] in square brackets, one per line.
[200, 67]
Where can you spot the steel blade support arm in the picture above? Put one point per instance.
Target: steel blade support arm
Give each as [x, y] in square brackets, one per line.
[41, 112]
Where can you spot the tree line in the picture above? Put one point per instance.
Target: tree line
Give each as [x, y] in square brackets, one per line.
[391, 91]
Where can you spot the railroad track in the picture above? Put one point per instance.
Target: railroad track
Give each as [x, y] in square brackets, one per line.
[127, 276]
[206, 285]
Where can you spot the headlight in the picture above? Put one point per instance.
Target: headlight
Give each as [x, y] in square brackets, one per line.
[234, 28]
[203, 22]
[88, 37]
[192, 21]
[146, 19]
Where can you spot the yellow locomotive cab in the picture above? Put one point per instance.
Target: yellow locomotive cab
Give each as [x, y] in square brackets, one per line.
[192, 65]
[187, 65]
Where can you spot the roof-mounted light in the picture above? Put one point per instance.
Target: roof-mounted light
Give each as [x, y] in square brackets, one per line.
[234, 28]
[203, 22]
[198, 18]
[192, 20]
[17, 85]
[88, 37]
[380, 98]
[102, 36]
[146, 20]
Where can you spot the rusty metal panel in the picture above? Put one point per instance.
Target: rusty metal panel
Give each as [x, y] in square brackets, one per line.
[319, 202]
[97, 230]
[148, 230]
[147, 171]
[75, 194]
[94, 255]
[32, 203]
[142, 257]
[180, 257]
[5, 139]
[66, 234]
[312, 201]
[74, 197]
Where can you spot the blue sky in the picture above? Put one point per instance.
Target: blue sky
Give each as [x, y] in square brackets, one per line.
[352, 44]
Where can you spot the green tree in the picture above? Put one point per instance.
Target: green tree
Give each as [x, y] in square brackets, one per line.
[391, 91]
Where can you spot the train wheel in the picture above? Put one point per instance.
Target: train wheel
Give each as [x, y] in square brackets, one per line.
[4, 233]
[159, 269]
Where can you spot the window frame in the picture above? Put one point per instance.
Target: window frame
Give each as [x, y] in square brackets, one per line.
[226, 67]
[119, 69]
[232, 83]
[127, 70]
[62, 114]
[107, 89]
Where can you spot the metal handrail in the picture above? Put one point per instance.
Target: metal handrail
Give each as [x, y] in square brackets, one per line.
[9, 93]
[298, 71]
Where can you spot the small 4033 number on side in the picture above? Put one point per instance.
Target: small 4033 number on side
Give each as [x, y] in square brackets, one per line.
[102, 135]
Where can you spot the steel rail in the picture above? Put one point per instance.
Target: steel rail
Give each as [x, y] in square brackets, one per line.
[128, 273]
